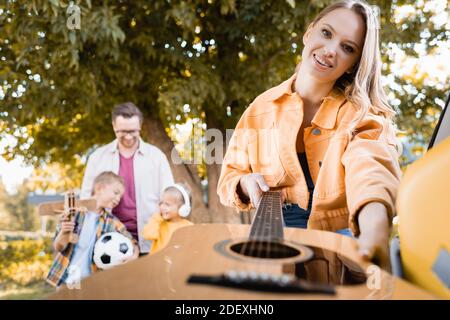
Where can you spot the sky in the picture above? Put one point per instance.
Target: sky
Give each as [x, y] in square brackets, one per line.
[12, 173]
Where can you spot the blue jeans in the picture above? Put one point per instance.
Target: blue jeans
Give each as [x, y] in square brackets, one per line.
[296, 217]
[345, 232]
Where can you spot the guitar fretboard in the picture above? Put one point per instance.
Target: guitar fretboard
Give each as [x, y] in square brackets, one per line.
[268, 222]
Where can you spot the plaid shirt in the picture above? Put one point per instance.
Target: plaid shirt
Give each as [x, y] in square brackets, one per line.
[107, 223]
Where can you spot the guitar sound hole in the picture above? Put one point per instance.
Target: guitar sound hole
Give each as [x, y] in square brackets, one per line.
[264, 249]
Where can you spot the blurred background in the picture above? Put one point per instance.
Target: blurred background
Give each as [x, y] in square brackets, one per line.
[190, 66]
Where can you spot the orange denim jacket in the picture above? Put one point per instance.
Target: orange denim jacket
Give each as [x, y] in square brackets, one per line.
[347, 172]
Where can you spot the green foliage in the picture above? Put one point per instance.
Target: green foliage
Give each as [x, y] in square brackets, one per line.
[18, 214]
[59, 85]
[4, 217]
[36, 291]
[55, 177]
[24, 262]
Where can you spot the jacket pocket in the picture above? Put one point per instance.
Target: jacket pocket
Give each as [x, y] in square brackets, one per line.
[331, 179]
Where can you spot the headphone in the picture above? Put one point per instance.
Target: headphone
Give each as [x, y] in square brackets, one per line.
[185, 209]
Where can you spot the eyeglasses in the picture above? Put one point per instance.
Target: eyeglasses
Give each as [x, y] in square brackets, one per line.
[125, 132]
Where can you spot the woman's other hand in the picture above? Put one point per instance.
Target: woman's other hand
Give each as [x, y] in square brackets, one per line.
[373, 241]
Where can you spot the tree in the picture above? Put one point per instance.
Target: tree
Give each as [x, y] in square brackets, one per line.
[21, 215]
[55, 178]
[4, 216]
[176, 60]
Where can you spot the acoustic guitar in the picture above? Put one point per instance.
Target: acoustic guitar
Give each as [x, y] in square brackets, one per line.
[264, 260]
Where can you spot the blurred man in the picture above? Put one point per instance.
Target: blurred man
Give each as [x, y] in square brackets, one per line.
[143, 166]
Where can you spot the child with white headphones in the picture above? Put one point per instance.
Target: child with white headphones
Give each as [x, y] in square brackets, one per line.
[174, 208]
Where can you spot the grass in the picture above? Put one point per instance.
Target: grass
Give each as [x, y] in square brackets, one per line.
[36, 291]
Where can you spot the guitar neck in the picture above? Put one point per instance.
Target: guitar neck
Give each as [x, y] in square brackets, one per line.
[267, 224]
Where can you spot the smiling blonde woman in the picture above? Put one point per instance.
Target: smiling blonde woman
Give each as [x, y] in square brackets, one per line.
[324, 137]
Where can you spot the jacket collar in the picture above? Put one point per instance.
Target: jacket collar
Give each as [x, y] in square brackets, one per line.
[285, 88]
[326, 116]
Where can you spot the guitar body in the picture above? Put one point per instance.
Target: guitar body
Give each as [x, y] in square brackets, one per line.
[205, 249]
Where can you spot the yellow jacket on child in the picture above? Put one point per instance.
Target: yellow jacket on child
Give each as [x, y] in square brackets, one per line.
[160, 231]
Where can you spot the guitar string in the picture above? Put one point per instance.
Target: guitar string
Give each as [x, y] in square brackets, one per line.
[257, 237]
[281, 249]
[269, 230]
[244, 247]
[262, 233]
[248, 247]
[269, 224]
[254, 229]
[260, 228]
[261, 237]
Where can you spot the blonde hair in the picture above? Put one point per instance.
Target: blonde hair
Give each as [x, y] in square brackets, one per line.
[186, 188]
[363, 85]
[107, 178]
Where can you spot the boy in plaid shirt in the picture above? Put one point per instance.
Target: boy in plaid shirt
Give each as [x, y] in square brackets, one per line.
[74, 260]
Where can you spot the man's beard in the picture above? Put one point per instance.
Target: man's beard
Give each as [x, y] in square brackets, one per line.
[127, 143]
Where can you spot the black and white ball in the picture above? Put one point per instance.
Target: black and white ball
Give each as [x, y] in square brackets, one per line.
[111, 249]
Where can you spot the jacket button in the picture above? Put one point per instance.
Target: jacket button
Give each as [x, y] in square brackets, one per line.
[316, 131]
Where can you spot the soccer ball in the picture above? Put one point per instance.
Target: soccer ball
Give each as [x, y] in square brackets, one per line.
[111, 249]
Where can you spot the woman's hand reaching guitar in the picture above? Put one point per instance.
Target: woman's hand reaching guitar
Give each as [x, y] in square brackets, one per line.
[251, 188]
